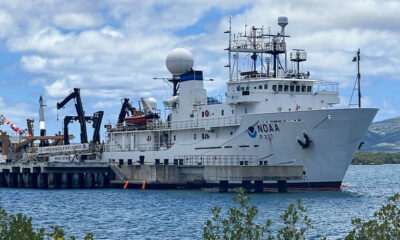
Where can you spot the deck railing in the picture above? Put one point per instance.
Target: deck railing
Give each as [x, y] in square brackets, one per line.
[216, 160]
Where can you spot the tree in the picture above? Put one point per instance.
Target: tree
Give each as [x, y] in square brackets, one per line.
[294, 216]
[384, 226]
[20, 227]
[240, 223]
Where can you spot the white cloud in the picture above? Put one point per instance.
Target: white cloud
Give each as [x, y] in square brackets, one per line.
[73, 20]
[16, 112]
[33, 63]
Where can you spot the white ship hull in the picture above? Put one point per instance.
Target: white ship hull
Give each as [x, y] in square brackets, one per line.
[335, 136]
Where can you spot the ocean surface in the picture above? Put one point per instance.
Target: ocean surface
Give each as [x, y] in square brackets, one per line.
[180, 214]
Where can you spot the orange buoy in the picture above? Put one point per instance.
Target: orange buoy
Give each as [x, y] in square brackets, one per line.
[126, 185]
[144, 185]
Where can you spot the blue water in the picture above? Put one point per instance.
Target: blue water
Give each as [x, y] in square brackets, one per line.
[180, 214]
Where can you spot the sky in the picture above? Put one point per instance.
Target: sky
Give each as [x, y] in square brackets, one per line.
[114, 49]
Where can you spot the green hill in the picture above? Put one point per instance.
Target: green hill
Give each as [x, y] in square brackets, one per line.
[383, 136]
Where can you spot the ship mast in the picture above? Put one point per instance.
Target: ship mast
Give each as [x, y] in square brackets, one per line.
[357, 83]
[229, 48]
[255, 45]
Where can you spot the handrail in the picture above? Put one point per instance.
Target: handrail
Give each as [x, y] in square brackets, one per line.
[217, 160]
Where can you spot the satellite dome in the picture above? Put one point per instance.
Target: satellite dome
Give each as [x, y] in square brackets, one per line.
[152, 102]
[179, 61]
[283, 21]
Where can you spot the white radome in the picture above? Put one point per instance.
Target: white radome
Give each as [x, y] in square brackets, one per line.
[152, 102]
[179, 61]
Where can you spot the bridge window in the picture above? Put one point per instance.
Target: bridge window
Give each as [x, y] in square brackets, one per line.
[286, 88]
[259, 86]
[265, 86]
[280, 87]
[274, 88]
[297, 88]
[308, 88]
[303, 88]
[292, 88]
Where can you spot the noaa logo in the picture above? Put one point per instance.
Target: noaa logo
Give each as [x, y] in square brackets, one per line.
[252, 132]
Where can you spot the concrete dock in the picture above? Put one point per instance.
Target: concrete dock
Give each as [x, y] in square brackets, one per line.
[224, 177]
[54, 175]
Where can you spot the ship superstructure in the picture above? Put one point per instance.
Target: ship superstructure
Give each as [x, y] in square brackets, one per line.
[272, 114]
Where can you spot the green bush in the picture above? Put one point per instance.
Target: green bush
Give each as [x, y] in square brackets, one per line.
[384, 226]
[240, 223]
[19, 227]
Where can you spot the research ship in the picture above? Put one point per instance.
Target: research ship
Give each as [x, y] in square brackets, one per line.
[273, 113]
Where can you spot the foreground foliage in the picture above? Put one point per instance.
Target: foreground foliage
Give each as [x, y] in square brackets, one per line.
[240, 225]
[19, 227]
[384, 226]
[240, 222]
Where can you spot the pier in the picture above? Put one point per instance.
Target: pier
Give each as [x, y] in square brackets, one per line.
[57, 175]
[251, 178]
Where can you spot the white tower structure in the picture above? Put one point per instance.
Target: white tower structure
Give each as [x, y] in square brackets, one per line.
[283, 22]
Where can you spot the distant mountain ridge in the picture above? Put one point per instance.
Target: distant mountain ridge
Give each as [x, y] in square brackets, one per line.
[383, 136]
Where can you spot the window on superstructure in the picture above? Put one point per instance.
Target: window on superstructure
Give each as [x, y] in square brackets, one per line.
[245, 110]
[259, 86]
[202, 114]
[286, 88]
[308, 88]
[280, 87]
[222, 112]
[242, 88]
[265, 86]
[274, 88]
[255, 87]
[194, 136]
[174, 137]
[303, 88]
[238, 88]
[297, 88]
[292, 88]
[247, 87]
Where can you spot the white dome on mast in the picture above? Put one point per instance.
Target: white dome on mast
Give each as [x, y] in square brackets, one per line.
[179, 61]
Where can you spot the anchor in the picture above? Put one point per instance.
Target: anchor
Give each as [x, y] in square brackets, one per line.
[306, 143]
